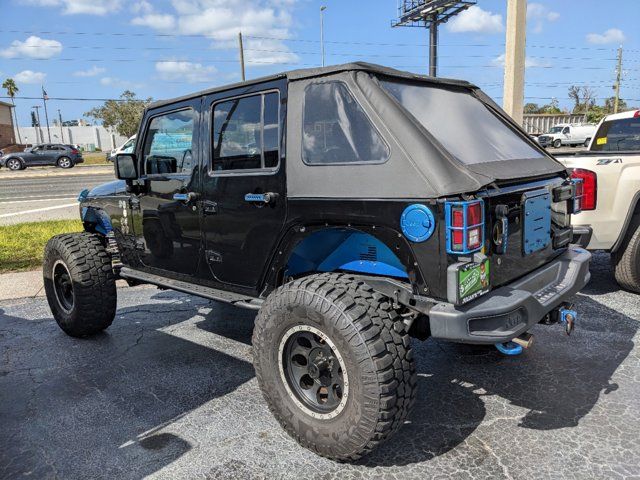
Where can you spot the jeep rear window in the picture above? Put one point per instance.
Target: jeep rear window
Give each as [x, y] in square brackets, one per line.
[466, 127]
[336, 130]
[618, 135]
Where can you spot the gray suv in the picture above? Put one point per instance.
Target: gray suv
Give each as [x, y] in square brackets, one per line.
[63, 156]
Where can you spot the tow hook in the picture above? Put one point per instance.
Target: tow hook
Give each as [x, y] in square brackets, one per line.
[515, 346]
[566, 315]
[568, 318]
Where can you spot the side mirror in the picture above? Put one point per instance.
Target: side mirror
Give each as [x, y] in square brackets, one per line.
[125, 166]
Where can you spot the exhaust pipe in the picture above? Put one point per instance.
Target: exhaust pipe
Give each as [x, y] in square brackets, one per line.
[525, 340]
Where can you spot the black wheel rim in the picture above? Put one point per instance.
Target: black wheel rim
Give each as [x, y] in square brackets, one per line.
[63, 286]
[313, 371]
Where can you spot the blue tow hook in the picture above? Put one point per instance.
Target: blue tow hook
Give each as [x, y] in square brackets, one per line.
[509, 348]
[568, 318]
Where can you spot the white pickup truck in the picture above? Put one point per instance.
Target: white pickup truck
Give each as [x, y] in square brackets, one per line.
[610, 173]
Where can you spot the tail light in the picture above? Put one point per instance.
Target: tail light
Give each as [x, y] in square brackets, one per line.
[588, 197]
[74, 151]
[464, 226]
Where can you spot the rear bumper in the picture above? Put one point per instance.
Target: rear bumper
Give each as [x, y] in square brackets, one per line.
[78, 160]
[511, 310]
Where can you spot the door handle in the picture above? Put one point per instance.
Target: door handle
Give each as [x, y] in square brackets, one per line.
[185, 197]
[260, 197]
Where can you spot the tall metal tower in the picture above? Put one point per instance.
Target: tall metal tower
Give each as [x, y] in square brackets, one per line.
[429, 14]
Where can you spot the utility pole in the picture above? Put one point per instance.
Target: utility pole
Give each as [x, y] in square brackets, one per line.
[514, 59]
[241, 50]
[41, 139]
[46, 115]
[433, 47]
[61, 131]
[322, 9]
[616, 87]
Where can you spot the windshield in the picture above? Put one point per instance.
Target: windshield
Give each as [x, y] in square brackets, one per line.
[466, 127]
[618, 135]
[556, 130]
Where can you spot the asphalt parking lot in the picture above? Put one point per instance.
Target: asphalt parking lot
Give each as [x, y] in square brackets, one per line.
[169, 392]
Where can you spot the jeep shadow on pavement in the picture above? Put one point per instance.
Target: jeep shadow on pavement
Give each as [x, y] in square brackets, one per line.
[354, 207]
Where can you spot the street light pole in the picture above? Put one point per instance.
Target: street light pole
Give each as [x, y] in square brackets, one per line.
[61, 131]
[322, 9]
[39, 129]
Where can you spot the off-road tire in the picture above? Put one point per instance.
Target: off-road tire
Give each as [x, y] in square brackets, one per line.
[557, 143]
[374, 345]
[626, 260]
[88, 264]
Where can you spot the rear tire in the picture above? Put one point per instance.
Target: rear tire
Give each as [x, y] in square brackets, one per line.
[557, 143]
[626, 260]
[65, 162]
[79, 283]
[372, 354]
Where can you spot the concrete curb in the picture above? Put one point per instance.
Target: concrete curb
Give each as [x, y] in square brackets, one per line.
[17, 285]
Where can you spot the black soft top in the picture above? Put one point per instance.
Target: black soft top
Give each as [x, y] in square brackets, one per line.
[304, 73]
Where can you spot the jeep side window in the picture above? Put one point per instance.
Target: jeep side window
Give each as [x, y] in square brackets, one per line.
[168, 143]
[246, 133]
[336, 130]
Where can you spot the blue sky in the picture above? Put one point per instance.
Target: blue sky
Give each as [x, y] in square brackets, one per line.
[161, 49]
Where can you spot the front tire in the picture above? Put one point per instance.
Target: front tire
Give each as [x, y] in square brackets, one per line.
[79, 283]
[14, 164]
[334, 363]
[626, 260]
[557, 143]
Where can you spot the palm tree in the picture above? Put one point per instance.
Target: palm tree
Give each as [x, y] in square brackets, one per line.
[10, 85]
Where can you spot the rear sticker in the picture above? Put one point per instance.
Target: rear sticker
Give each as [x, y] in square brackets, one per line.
[601, 141]
[473, 280]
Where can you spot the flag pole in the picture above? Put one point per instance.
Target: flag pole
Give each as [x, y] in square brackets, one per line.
[46, 115]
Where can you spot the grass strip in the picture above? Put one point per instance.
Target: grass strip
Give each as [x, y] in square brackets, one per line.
[22, 245]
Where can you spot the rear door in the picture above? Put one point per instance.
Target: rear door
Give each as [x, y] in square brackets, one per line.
[243, 194]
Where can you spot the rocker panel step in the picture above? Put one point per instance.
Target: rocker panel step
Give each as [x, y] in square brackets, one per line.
[237, 299]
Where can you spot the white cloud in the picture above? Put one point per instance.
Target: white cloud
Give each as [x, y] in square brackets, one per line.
[32, 47]
[29, 76]
[119, 83]
[157, 21]
[529, 62]
[218, 21]
[613, 35]
[141, 7]
[539, 14]
[79, 7]
[90, 72]
[175, 70]
[476, 20]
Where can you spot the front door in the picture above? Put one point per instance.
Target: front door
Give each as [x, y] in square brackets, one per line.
[165, 213]
[244, 187]
[38, 156]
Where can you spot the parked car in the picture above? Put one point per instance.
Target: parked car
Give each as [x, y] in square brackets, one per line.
[403, 207]
[126, 147]
[610, 173]
[63, 156]
[571, 134]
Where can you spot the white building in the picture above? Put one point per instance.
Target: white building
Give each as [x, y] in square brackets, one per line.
[90, 137]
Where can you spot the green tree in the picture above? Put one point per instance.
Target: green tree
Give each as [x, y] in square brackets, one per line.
[10, 86]
[609, 103]
[530, 108]
[553, 107]
[124, 115]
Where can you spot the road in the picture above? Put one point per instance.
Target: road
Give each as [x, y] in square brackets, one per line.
[169, 392]
[27, 197]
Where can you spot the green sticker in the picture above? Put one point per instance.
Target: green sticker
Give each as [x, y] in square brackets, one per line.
[473, 280]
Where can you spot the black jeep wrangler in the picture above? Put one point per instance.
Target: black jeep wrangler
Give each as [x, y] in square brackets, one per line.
[354, 207]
